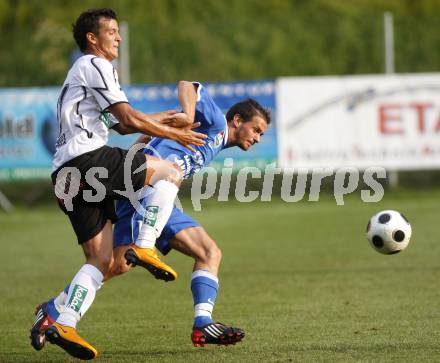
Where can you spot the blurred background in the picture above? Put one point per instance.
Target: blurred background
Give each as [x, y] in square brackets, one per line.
[351, 83]
[342, 113]
[224, 40]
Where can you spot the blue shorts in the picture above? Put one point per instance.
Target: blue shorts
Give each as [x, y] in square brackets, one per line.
[126, 228]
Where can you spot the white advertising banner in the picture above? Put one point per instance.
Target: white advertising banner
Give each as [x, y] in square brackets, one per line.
[391, 121]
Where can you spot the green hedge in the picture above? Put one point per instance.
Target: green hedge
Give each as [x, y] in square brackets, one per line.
[225, 40]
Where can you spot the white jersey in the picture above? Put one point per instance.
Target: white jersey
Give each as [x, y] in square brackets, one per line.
[90, 88]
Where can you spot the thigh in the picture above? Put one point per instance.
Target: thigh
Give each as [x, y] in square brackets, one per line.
[88, 219]
[194, 242]
[127, 217]
[159, 169]
[177, 222]
[99, 249]
[130, 221]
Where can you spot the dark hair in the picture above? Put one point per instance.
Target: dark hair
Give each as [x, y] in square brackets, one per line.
[248, 109]
[87, 22]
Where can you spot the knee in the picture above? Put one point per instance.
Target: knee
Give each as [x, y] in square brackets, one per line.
[213, 254]
[174, 174]
[163, 170]
[171, 172]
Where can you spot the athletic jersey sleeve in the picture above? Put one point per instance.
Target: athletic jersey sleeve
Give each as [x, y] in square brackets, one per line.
[102, 81]
[207, 112]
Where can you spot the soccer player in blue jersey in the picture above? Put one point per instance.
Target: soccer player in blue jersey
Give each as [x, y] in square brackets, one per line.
[243, 126]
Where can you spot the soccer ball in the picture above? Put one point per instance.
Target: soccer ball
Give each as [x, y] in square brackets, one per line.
[388, 232]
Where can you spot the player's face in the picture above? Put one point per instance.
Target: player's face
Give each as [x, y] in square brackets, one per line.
[250, 132]
[108, 39]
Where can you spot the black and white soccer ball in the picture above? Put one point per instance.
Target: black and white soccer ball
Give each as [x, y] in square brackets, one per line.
[389, 232]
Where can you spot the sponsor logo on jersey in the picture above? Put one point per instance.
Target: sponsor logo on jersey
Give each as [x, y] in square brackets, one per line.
[78, 296]
[189, 164]
[151, 215]
[218, 140]
[108, 119]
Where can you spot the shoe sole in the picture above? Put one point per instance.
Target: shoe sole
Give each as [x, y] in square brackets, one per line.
[133, 259]
[234, 337]
[74, 349]
[230, 338]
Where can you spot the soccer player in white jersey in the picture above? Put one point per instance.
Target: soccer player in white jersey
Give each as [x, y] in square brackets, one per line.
[243, 126]
[91, 101]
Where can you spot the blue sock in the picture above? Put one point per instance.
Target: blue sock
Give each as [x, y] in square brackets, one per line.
[51, 310]
[204, 287]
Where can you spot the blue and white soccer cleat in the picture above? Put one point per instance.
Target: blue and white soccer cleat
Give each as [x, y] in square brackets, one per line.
[216, 333]
[45, 316]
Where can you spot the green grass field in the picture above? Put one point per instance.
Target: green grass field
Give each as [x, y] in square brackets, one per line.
[300, 278]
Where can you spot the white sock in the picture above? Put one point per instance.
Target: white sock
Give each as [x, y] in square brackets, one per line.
[81, 294]
[158, 207]
[60, 300]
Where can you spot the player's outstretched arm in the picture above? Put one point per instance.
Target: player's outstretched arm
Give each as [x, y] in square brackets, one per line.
[123, 130]
[143, 139]
[158, 116]
[133, 120]
[187, 94]
[162, 117]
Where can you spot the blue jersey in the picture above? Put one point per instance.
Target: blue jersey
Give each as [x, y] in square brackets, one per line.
[213, 124]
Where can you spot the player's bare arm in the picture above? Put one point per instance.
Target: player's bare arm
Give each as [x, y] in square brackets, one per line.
[187, 96]
[158, 116]
[187, 93]
[132, 119]
[165, 115]
[143, 139]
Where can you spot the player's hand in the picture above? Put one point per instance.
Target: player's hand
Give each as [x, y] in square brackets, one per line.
[179, 120]
[187, 137]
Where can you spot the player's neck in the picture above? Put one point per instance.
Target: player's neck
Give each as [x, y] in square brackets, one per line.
[231, 137]
[97, 53]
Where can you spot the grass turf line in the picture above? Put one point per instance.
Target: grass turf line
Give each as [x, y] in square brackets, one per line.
[300, 278]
